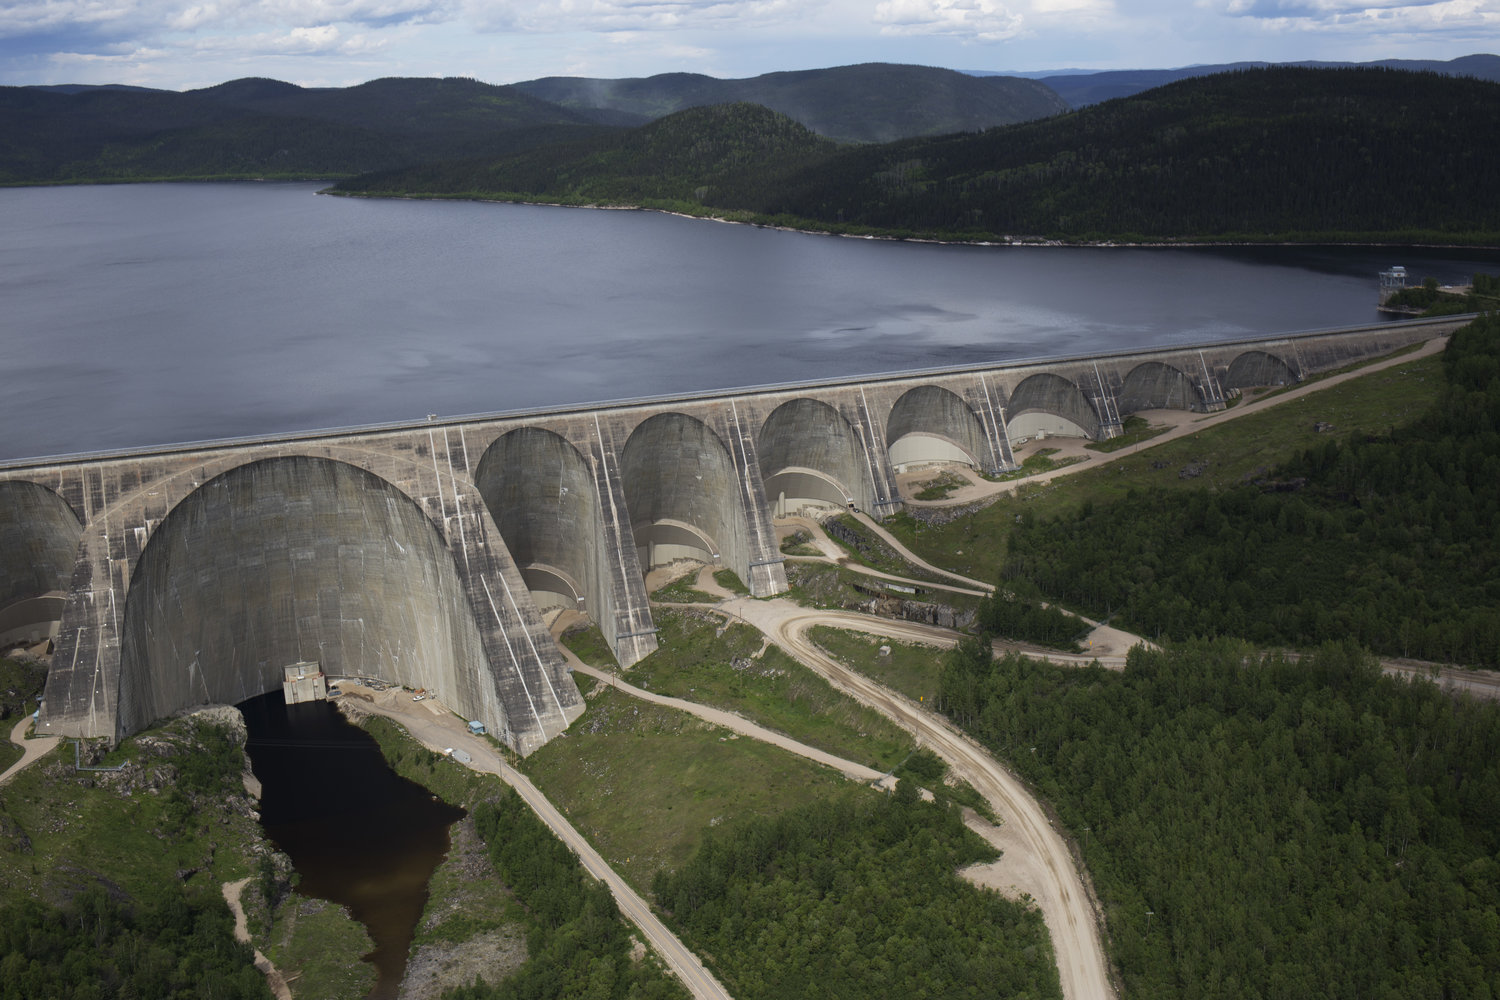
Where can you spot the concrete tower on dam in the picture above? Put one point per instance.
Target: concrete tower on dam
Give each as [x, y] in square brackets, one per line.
[427, 554]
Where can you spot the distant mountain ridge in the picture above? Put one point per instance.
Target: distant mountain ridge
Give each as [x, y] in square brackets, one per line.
[257, 127]
[265, 128]
[1082, 88]
[868, 102]
[1277, 154]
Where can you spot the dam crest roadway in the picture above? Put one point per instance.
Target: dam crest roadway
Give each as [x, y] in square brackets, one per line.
[425, 554]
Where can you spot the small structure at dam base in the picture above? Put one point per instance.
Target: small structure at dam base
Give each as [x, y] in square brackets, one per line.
[304, 681]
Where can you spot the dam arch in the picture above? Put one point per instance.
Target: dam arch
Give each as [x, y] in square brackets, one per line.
[287, 559]
[1153, 385]
[39, 537]
[1254, 369]
[540, 492]
[809, 453]
[681, 489]
[929, 424]
[1047, 403]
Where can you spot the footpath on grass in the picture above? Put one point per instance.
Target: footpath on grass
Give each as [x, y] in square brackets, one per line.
[437, 728]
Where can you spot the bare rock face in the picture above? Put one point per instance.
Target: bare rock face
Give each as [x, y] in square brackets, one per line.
[940, 615]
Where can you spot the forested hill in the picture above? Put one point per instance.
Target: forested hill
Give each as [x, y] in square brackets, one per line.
[1259, 154]
[870, 102]
[265, 128]
[1267, 155]
[683, 159]
[1079, 89]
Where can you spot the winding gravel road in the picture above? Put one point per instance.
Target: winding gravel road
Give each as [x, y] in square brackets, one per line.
[1036, 859]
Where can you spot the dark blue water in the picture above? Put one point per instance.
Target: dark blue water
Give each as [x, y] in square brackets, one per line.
[134, 315]
[359, 834]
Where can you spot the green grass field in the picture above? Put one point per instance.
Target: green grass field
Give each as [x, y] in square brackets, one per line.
[909, 668]
[734, 672]
[645, 783]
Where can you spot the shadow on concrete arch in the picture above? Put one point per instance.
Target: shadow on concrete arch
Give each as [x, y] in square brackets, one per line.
[1049, 403]
[680, 486]
[1257, 368]
[541, 494]
[39, 536]
[1152, 385]
[810, 454]
[930, 424]
[289, 559]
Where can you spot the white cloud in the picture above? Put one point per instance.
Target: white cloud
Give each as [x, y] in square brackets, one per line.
[980, 20]
[554, 16]
[141, 17]
[1389, 15]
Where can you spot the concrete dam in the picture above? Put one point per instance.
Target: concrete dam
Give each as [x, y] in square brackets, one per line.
[426, 554]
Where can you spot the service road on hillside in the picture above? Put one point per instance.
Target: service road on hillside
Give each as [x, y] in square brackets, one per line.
[436, 728]
[1036, 861]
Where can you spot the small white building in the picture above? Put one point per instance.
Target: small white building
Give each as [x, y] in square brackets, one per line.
[304, 682]
[1391, 282]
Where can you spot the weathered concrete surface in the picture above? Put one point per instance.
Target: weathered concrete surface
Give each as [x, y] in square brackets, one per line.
[38, 542]
[432, 536]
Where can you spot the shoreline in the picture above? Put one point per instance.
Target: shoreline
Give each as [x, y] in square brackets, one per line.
[1027, 241]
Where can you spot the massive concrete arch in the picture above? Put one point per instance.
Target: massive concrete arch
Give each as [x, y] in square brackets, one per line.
[1048, 403]
[810, 453]
[541, 494]
[39, 535]
[288, 559]
[1152, 385]
[932, 424]
[1257, 368]
[680, 485]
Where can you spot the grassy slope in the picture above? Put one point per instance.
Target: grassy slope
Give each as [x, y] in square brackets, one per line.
[1231, 453]
[644, 783]
[64, 829]
[771, 689]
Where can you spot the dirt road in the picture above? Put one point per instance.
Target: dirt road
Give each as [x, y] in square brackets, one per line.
[437, 728]
[1036, 861]
[274, 978]
[32, 750]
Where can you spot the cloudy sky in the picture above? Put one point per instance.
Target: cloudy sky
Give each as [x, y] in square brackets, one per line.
[180, 44]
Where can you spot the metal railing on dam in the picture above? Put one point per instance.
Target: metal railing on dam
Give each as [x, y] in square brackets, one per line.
[425, 552]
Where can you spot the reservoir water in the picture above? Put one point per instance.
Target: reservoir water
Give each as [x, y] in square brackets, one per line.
[136, 315]
[360, 835]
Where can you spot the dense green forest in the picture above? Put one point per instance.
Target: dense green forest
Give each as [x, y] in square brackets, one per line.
[856, 897]
[1271, 154]
[108, 888]
[1262, 828]
[578, 946]
[680, 161]
[1005, 614]
[1252, 154]
[95, 948]
[265, 128]
[1393, 540]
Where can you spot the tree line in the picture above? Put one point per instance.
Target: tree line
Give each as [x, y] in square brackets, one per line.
[1259, 827]
[1391, 539]
[578, 945]
[1263, 154]
[856, 897]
